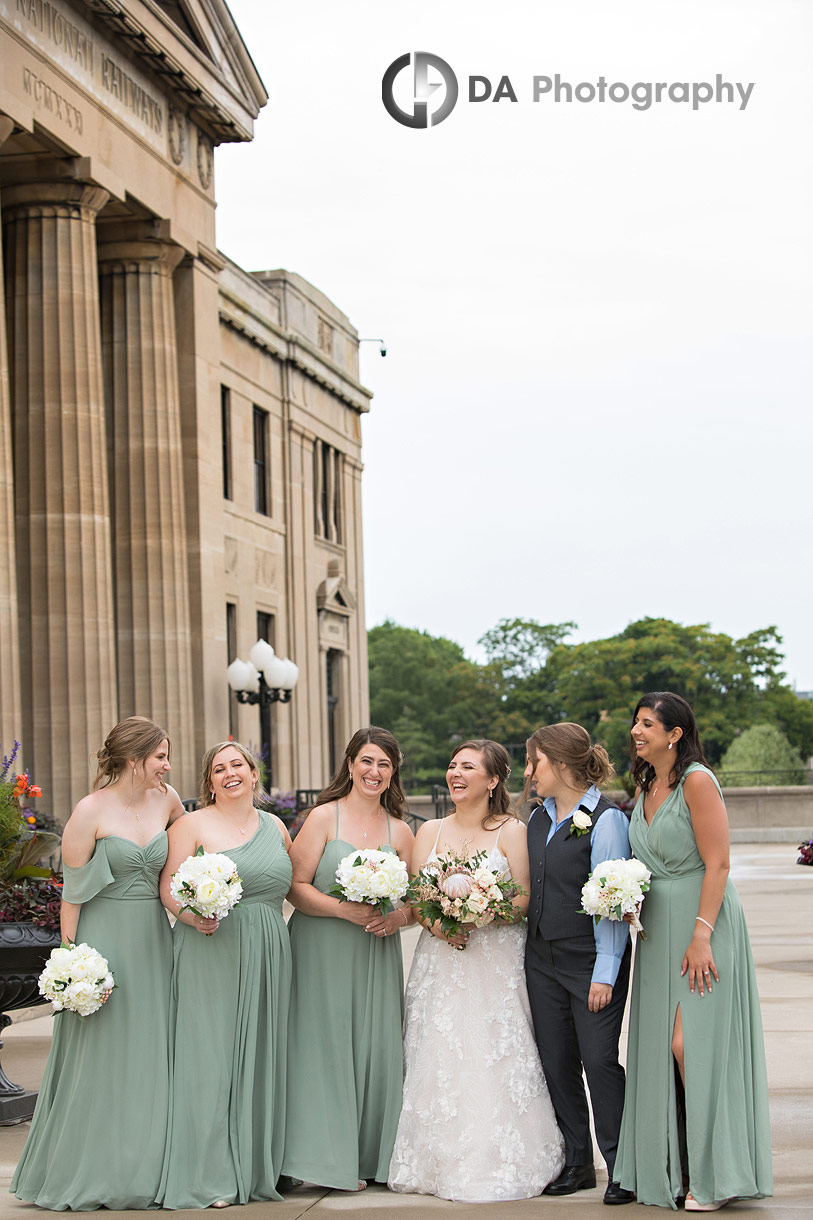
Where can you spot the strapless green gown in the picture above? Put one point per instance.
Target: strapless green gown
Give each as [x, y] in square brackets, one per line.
[726, 1146]
[99, 1130]
[345, 1049]
[230, 994]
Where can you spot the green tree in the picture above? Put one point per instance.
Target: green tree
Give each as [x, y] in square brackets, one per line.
[762, 755]
[425, 691]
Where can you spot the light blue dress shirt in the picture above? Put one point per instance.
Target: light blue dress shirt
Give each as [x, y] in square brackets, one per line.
[609, 840]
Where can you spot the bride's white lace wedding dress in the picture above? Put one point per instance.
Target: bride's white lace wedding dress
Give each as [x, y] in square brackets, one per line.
[477, 1125]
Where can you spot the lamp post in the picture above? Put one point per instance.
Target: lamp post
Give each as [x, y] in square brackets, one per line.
[264, 679]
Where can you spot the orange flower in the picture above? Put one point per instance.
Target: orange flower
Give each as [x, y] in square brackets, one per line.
[32, 821]
[35, 790]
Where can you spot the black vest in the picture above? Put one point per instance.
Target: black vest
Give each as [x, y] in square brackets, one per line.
[558, 872]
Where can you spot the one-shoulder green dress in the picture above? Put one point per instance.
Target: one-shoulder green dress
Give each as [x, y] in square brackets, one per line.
[345, 1048]
[725, 1147]
[230, 994]
[99, 1130]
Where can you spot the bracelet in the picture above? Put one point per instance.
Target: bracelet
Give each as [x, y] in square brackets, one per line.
[700, 919]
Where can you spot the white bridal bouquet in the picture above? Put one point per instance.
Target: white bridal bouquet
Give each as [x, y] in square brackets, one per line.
[616, 888]
[206, 884]
[76, 979]
[374, 876]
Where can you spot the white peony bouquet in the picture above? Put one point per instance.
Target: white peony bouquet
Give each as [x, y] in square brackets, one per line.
[374, 876]
[206, 884]
[462, 889]
[76, 978]
[616, 888]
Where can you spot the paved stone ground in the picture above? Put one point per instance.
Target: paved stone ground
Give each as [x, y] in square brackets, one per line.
[778, 899]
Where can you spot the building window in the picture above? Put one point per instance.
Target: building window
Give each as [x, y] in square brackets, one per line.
[334, 743]
[327, 482]
[262, 498]
[231, 653]
[225, 434]
[265, 627]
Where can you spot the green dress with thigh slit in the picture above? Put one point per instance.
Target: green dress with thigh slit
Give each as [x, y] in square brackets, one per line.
[345, 1049]
[229, 1012]
[98, 1133]
[725, 1146]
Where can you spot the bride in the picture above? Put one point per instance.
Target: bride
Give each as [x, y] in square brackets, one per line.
[477, 1124]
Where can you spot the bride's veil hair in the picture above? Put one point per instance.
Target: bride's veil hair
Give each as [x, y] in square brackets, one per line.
[498, 765]
[394, 798]
[569, 745]
[137, 738]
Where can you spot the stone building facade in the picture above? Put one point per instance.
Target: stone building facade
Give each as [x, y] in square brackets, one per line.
[180, 440]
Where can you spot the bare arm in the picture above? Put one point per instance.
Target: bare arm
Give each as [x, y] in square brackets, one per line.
[306, 852]
[78, 845]
[514, 843]
[183, 842]
[710, 826]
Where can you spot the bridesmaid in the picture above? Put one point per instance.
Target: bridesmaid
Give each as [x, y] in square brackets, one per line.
[98, 1133]
[696, 1106]
[230, 992]
[345, 1057]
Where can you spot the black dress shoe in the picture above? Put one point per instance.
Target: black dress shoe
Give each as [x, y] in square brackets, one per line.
[571, 1179]
[616, 1194]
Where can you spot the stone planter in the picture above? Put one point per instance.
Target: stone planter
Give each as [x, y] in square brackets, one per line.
[24, 950]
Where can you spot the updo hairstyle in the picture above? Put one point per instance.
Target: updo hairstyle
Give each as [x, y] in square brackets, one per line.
[135, 738]
[569, 745]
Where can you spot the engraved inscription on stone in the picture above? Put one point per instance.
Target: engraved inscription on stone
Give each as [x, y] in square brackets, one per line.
[230, 556]
[325, 337]
[204, 160]
[48, 98]
[264, 568]
[333, 630]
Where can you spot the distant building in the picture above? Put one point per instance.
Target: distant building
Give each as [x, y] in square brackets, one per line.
[180, 441]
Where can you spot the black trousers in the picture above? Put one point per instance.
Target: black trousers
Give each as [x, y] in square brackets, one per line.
[570, 1037]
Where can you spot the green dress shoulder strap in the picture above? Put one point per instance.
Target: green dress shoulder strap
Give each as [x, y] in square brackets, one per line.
[695, 766]
[85, 882]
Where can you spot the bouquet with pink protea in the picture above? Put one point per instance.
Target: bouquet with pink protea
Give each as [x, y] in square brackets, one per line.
[458, 889]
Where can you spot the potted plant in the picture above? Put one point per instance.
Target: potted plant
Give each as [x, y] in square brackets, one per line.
[29, 912]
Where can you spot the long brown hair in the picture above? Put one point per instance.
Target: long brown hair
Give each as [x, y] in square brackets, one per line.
[674, 713]
[137, 738]
[497, 764]
[570, 745]
[205, 794]
[393, 799]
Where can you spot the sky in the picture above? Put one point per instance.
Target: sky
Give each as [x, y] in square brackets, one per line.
[596, 402]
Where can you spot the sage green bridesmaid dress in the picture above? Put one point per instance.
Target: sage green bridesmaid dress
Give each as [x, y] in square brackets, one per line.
[725, 1146]
[99, 1130]
[345, 1048]
[230, 994]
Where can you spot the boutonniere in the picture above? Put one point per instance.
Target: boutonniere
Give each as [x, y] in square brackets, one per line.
[582, 823]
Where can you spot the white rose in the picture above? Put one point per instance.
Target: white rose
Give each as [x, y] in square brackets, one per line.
[582, 820]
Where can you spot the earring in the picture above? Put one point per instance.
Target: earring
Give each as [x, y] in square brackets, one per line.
[134, 772]
[670, 745]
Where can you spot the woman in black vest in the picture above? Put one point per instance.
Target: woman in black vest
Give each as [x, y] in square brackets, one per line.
[577, 971]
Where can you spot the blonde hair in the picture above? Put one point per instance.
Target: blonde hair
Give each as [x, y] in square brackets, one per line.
[206, 796]
[569, 745]
[136, 738]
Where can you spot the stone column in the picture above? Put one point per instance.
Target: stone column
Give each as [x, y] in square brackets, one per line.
[145, 456]
[64, 569]
[11, 712]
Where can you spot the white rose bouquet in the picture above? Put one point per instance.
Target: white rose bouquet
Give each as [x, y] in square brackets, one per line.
[76, 979]
[616, 888]
[206, 884]
[375, 876]
[457, 890]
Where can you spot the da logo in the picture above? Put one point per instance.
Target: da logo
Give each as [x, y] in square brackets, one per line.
[422, 89]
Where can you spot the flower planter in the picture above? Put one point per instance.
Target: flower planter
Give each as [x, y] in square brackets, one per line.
[24, 949]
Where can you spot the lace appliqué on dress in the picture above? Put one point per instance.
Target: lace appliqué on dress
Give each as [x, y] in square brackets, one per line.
[477, 1123]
